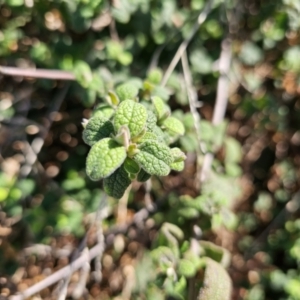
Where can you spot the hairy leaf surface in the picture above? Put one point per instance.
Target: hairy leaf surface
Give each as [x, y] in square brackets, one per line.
[132, 114]
[155, 158]
[116, 184]
[104, 158]
[97, 128]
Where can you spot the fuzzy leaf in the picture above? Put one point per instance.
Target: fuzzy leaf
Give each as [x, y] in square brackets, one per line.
[112, 98]
[151, 120]
[160, 136]
[104, 158]
[154, 157]
[147, 136]
[143, 176]
[174, 126]
[155, 76]
[132, 114]
[116, 184]
[217, 283]
[186, 268]
[126, 91]
[131, 166]
[177, 166]
[162, 111]
[103, 110]
[97, 128]
[178, 155]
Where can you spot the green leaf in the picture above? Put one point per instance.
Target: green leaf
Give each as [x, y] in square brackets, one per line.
[132, 114]
[143, 176]
[112, 98]
[116, 184]
[83, 73]
[177, 155]
[217, 283]
[188, 212]
[155, 158]
[162, 111]
[174, 126]
[155, 76]
[215, 252]
[103, 110]
[186, 268]
[104, 158]
[177, 166]
[131, 166]
[96, 129]
[151, 120]
[126, 91]
[147, 136]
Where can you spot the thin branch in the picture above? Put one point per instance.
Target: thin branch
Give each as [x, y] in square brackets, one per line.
[37, 73]
[222, 99]
[193, 102]
[122, 207]
[200, 20]
[81, 260]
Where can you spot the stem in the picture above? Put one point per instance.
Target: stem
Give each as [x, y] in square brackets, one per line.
[37, 73]
[122, 207]
[222, 99]
[200, 20]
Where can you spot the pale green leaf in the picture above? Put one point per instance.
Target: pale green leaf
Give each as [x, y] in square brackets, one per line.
[126, 91]
[112, 98]
[103, 110]
[217, 284]
[186, 268]
[178, 155]
[116, 184]
[155, 158]
[132, 114]
[162, 111]
[151, 120]
[97, 128]
[155, 76]
[104, 158]
[174, 126]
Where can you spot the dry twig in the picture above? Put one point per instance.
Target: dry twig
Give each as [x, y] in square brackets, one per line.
[37, 73]
[200, 20]
[222, 99]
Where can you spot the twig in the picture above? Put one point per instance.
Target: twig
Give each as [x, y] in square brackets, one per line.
[37, 73]
[84, 273]
[201, 18]
[81, 260]
[82, 248]
[192, 97]
[122, 207]
[222, 99]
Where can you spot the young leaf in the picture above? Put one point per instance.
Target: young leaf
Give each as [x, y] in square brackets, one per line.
[126, 91]
[132, 114]
[177, 166]
[116, 184]
[217, 284]
[143, 176]
[97, 128]
[186, 268]
[174, 126]
[103, 110]
[155, 76]
[162, 111]
[154, 157]
[112, 98]
[104, 158]
[151, 120]
[178, 155]
[131, 166]
[147, 136]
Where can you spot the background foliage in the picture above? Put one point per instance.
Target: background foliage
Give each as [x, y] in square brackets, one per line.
[249, 206]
